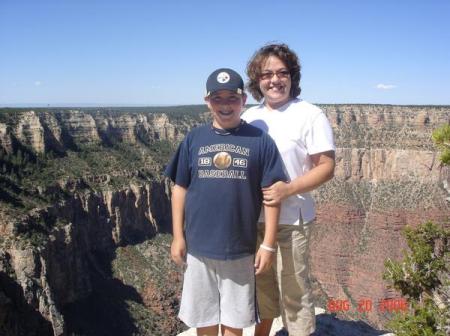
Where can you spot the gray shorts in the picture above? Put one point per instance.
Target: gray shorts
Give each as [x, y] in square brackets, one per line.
[219, 292]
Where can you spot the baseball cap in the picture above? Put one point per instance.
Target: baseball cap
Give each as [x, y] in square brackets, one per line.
[224, 79]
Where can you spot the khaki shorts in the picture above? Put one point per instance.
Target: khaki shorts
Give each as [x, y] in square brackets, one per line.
[285, 289]
[219, 292]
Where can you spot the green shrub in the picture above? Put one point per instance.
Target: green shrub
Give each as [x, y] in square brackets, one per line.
[441, 137]
[423, 278]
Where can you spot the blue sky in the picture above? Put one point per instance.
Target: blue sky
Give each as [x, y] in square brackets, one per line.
[73, 52]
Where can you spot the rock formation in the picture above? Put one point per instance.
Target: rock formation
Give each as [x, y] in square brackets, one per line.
[387, 176]
[85, 230]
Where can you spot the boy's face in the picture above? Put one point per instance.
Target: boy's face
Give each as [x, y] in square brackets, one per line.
[226, 107]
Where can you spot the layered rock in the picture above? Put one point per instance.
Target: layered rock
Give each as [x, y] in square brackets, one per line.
[30, 132]
[62, 130]
[387, 176]
[85, 229]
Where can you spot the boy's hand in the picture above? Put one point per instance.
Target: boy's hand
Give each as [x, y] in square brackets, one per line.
[178, 251]
[263, 261]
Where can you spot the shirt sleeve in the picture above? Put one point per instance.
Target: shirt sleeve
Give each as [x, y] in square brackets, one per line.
[273, 168]
[319, 137]
[178, 169]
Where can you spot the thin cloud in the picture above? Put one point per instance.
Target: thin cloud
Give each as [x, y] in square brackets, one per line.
[37, 83]
[385, 86]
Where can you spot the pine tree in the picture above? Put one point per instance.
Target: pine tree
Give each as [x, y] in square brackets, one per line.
[423, 278]
[441, 138]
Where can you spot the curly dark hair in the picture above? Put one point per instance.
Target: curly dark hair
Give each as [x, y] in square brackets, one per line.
[286, 55]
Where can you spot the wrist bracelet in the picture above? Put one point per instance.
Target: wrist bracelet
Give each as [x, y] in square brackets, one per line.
[267, 248]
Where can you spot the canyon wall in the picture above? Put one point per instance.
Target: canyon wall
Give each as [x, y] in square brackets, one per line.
[40, 281]
[61, 130]
[387, 176]
[54, 256]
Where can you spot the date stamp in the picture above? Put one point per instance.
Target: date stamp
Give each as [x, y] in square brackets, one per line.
[366, 305]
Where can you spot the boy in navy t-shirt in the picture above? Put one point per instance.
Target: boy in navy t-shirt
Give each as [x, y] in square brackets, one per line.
[218, 171]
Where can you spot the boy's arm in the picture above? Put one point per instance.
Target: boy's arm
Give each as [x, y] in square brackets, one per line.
[178, 248]
[267, 250]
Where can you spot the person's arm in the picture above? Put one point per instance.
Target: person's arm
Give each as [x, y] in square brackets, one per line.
[322, 171]
[178, 247]
[265, 256]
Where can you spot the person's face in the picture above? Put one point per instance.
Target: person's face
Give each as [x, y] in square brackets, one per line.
[275, 82]
[226, 107]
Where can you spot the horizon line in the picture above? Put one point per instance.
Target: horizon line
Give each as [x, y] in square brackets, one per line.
[95, 105]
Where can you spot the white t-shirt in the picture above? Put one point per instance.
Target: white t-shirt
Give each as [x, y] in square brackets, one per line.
[299, 130]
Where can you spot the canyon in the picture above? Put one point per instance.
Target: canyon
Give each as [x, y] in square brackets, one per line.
[101, 216]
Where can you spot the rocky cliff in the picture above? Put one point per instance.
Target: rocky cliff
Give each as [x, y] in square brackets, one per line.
[71, 239]
[45, 131]
[60, 235]
[387, 176]
[80, 236]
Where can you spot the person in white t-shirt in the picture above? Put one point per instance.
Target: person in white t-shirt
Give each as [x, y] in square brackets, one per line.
[304, 138]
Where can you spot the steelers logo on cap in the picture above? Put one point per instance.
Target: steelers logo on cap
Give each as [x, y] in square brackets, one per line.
[222, 160]
[223, 77]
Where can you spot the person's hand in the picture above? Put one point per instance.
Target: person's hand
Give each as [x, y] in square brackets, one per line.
[178, 251]
[263, 261]
[276, 193]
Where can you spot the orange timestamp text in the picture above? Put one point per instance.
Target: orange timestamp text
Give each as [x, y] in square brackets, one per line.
[365, 305]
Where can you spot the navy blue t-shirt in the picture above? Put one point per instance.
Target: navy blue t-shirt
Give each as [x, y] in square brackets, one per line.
[224, 175]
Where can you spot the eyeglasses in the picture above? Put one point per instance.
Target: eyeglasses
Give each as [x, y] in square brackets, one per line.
[281, 74]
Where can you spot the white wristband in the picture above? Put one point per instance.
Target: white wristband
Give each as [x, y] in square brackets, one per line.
[267, 248]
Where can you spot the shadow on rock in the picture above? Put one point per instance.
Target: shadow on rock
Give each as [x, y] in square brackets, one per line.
[14, 310]
[330, 325]
[105, 311]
